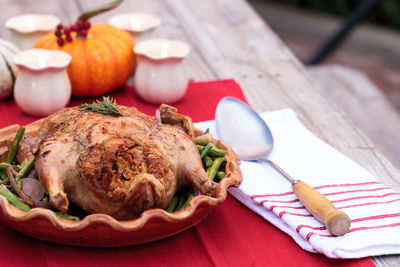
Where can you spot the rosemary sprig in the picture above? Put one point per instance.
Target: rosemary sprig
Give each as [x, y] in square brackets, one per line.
[107, 107]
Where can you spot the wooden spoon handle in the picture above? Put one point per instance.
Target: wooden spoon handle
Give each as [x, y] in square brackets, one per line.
[337, 222]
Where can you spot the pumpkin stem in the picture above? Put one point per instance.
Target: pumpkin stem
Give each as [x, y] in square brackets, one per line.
[100, 9]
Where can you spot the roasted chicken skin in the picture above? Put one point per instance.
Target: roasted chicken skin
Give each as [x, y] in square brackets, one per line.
[119, 166]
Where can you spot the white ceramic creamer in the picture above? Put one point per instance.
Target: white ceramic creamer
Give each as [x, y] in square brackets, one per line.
[140, 25]
[160, 75]
[26, 29]
[42, 86]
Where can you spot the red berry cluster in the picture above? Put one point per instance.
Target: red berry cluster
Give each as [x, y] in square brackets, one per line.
[80, 27]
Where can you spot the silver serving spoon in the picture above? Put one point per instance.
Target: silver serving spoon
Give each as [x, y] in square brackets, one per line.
[251, 139]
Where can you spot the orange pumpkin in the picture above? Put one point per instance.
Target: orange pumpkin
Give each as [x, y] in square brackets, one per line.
[100, 63]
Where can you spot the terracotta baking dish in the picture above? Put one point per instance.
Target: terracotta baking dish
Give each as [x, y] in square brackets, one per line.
[100, 230]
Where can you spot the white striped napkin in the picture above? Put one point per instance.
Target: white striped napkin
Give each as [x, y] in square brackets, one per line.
[374, 209]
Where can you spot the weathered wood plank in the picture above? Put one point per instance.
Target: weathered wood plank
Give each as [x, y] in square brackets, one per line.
[352, 91]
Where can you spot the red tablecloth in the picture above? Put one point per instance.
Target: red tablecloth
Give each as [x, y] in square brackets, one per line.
[231, 235]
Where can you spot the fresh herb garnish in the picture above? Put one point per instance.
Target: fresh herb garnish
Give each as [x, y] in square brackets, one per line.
[107, 107]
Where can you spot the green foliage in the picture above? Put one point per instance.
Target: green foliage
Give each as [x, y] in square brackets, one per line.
[386, 13]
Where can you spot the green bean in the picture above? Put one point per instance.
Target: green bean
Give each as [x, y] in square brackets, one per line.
[13, 199]
[17, 167]
[220, 175]
[184, 205]
[214, 152]
[26, 169]
[207, 161]
[172, 205]
[205, 150]
[15, 144]
[214, 168]
[62, 215]
[3, 177]
[3, 167]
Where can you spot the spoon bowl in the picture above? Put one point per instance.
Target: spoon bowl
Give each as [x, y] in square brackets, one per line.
[253, 142]
[251, 139]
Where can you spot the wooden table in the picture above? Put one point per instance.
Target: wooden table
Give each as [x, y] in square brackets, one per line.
[229, 40]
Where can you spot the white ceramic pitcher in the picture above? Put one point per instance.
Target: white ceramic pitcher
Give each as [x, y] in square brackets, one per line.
[42, 86]
[26, 29]
[160, 75]
[140, 25]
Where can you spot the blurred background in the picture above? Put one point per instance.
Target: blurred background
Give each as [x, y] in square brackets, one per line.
[350, 48]
[373, 46]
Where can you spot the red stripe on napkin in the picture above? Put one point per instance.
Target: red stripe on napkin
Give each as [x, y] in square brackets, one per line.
[309, 235]
[232, 235]
[317, 187]
[356, 191]
[376, 217]
[363, 197]
[333, 201]
[338, 207]
[287, 207]
[374, 227]
[368, 204]
[345, 185]
[294, 214]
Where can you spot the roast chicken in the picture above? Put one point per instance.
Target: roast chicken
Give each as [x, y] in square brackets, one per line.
[119, 166]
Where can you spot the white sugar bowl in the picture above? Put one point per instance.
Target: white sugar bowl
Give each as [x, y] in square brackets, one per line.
[139, 25]
[160, 75]
[42, 86]
[26, 29]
